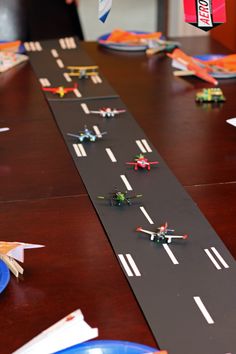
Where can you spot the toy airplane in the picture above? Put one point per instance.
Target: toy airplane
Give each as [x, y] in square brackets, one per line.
[60, 90]
[104, 7]
[69, 331]
[87, 135]
[141, 161]
[4, 129]
[118, 198]
[119, 36]
[189, 66]
[12, 251]
[83, 72]
[107, 112]
[163, 235]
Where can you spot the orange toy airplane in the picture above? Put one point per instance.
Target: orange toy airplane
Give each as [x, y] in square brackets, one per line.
[60, 90]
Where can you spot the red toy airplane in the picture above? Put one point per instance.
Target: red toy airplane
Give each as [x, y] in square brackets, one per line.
[60, 90]
[142, 162]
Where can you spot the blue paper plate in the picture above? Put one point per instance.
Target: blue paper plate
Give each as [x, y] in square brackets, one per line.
[210, 56]
[122, 46]
[108, 347]
[4, 276]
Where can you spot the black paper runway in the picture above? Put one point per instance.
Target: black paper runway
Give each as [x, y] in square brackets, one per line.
[186, 289]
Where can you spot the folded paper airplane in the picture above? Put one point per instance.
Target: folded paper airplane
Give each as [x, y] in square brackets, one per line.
[69, 331]
[104, 7]
[11, 252]
[205, 14]
[190, 66]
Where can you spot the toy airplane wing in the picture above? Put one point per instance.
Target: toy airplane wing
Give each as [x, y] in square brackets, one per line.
[153, 162]
[96, 112]
[104, 7]
[118, 111]
[69, 89]
[68, 332]
[50, 89]
[140, 229]
[171, 237]
[135, 196]
[74, 135]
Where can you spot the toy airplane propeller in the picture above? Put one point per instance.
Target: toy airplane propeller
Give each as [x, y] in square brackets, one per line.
[60, 90]
[11, 252]
[66, 333]
[163, 235]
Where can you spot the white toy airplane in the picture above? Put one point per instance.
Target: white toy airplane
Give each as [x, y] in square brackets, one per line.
[69, 331]
[163, 235]
[12, 251]
[107, 112]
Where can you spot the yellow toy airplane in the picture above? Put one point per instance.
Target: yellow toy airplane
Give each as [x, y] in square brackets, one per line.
[83, 72]
[12, 251]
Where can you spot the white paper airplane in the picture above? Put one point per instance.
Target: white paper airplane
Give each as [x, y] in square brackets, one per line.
[104, 8]
[232, 121]
[10, 252]
[69, 331]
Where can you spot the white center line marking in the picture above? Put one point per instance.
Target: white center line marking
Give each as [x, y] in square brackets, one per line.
[77, 93]
[85, 108]
[220, 257]
[60, 63]
[140, 145]
[99, 80]
[143, 210]
[126, 182]
[54, 53]
[111, 155]
[125, 265]
[97, 131]
[170, 253]
[145, 143]
[203, 309]
[212, 259]
[94, 80]
[62, 43]
[133, 265]
[67, 77]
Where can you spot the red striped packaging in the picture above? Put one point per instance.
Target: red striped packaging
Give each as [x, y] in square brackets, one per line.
[205, 14]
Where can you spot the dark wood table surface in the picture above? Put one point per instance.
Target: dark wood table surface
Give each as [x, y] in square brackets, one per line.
[43, 199]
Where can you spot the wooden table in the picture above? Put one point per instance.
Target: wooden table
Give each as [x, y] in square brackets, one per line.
[43, 199]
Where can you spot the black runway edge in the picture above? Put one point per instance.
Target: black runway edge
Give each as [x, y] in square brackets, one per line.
[186, 289]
